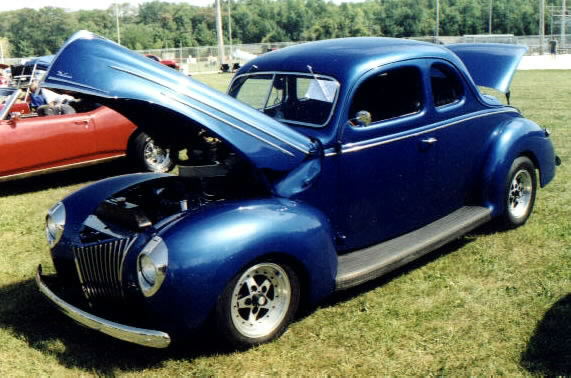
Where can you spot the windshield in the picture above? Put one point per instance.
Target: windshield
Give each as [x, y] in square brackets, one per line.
[301, 99]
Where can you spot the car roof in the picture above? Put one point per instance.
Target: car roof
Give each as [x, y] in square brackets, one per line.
[345, 58]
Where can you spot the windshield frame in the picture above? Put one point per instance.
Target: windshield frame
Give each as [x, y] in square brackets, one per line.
[10, 101]
[273, 75]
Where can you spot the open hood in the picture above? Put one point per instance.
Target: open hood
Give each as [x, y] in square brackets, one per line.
[163, 101]
[491, 65]
[41, 63]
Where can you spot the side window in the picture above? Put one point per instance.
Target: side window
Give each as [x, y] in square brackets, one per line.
[446, 86]
[391, 94]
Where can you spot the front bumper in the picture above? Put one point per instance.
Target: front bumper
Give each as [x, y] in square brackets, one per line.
[145, 337]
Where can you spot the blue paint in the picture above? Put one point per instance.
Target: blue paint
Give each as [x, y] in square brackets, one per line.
[330, 189]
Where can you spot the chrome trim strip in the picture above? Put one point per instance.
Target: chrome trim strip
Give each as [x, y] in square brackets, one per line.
[281, 149]
[12, 98]
[346, 148]
[187, 94]
[58, 169]
[141, 336]
[75, 83]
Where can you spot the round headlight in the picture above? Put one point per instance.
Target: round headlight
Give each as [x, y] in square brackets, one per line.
[148, 269]
[55, 223]
[152, 266]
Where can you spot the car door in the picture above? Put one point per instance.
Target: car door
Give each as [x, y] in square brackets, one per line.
[387, 167]
[37, 143]
[462, 128]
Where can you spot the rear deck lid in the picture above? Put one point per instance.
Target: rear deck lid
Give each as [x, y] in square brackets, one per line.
[491, 65]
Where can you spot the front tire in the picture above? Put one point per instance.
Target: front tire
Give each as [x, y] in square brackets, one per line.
[258, 304]
[520, 191]
[148, 156]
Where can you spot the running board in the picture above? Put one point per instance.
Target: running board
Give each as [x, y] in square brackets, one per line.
[366, 264]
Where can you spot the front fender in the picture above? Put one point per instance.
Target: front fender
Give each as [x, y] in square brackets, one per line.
[207, 249]
[519, 137]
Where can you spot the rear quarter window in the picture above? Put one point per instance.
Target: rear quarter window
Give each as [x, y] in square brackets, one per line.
[446, 85]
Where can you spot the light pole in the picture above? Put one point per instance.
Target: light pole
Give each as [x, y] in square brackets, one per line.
[219, 34]
[563, 23]
[490, 18]
[117, 23]
[437, 28]
[230, 23]
[541, 25]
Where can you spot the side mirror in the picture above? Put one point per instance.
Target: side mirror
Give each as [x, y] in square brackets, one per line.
[362, 118]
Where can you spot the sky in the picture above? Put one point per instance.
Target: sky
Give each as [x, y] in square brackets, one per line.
[6, 5]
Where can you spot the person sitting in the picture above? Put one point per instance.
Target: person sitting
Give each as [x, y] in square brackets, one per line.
[45, 102]
[4, 81]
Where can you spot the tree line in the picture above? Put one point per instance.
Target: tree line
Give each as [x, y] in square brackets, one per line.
[157, 24]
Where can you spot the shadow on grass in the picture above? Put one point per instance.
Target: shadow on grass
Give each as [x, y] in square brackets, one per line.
[345, 295]
[29, 316]
[548, 352]
[65, 178]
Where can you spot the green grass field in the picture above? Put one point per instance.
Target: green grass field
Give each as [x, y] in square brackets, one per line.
[488, 304]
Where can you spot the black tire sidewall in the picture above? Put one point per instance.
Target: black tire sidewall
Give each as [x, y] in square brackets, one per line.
[225, 325]
[518, 164]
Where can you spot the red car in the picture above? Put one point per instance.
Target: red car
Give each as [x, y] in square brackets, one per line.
[31, 145]
[167, 62]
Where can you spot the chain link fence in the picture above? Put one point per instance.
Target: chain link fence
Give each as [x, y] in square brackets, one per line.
[205, 59]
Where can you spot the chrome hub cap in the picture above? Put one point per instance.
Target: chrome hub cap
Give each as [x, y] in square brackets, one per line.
[519, 198]
[157, 158]
[260, 300]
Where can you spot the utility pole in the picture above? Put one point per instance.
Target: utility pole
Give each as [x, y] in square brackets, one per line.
[117, 22]
[490, 17]
[541, 25]
[230, 23]
[437, 28]
[219, 34]
[563, 23]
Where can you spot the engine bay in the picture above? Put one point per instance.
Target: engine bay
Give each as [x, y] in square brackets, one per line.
[209, 172]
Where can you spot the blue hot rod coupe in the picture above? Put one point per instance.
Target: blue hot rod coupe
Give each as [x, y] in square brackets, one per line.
[326, 165]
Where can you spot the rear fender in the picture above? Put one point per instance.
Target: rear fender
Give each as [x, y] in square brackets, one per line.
[207, 249]
[519, 137]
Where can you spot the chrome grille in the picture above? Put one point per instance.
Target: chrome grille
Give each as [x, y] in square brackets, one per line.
[99, 267]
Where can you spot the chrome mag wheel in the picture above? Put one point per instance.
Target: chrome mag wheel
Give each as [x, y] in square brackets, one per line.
[520, 189]
[157, 159]
[520, 194]
[261, 300]
[148, 156]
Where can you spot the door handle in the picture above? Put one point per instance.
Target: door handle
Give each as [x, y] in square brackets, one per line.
[430, 140]
[83, 122]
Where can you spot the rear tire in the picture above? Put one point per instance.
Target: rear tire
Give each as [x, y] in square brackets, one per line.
[520, 191]
[258, 304]
[148, 156]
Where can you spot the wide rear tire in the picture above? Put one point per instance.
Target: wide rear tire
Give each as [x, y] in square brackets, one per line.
[520, 191]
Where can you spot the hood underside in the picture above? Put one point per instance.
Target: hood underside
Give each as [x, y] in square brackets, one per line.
[491, 65]
[165, 102]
